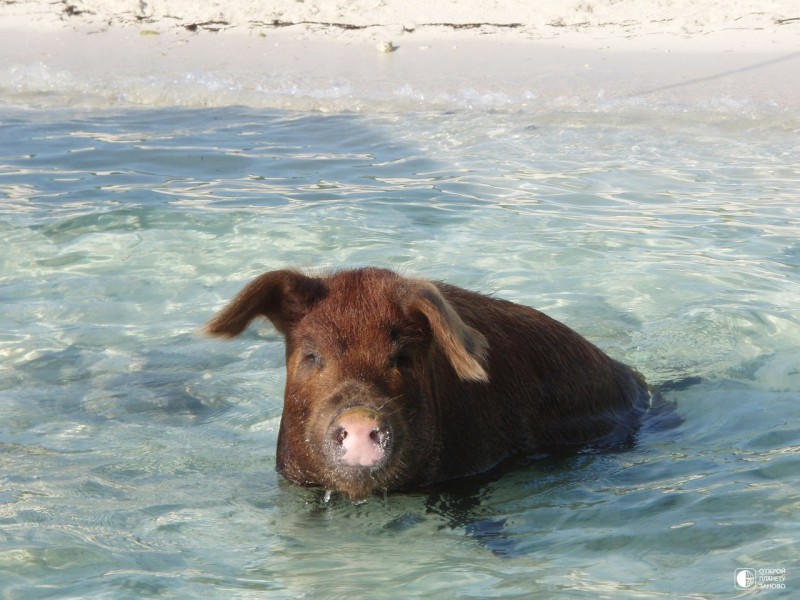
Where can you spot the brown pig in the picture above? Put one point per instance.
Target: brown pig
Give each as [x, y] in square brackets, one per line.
[395, 383]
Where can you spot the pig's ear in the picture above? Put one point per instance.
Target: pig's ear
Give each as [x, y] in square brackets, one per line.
[283, 297]
[465, 347]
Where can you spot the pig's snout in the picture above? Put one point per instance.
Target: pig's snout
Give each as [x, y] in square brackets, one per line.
[360, 437]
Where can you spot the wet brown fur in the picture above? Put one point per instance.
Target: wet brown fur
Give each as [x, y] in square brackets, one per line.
[463, 381]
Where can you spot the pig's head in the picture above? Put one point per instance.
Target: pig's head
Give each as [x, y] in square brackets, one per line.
[365, 350]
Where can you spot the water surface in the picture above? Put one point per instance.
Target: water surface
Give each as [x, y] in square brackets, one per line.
[137, 457]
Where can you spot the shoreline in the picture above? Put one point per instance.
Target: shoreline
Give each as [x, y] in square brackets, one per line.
[366, 56]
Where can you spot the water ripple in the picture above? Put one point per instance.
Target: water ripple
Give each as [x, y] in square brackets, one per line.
[138, 457]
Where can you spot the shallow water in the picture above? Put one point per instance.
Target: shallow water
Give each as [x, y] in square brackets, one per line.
[136, 456]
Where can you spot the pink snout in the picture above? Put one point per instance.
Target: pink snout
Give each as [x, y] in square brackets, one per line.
[361, 436]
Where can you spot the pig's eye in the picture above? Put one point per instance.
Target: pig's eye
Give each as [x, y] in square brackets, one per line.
[312, 359]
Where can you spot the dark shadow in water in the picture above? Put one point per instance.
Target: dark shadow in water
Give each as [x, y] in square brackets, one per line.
[67, 382]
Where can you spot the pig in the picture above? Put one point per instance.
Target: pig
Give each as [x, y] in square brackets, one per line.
[396, 383]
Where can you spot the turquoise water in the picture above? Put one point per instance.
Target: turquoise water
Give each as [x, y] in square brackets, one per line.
[136, 456]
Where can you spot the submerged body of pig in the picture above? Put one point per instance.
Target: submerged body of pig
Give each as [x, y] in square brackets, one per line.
[395, 383]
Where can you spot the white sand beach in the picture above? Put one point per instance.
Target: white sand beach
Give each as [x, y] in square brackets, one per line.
[358, 54]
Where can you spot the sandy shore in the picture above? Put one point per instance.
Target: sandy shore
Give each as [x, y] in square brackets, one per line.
[594, 21]
[346, 54]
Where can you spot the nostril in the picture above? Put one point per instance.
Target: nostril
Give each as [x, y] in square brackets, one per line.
[376, 435]
[340, 435]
